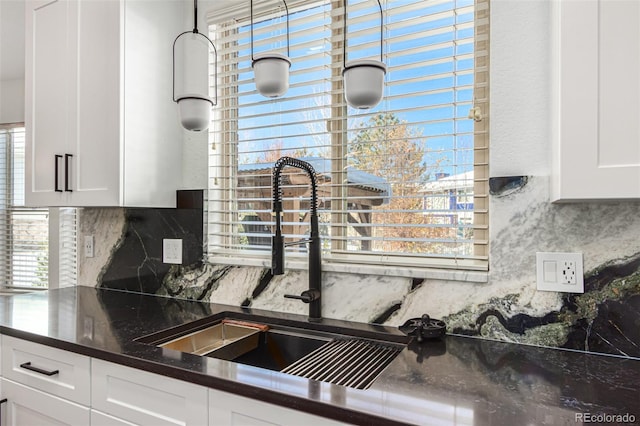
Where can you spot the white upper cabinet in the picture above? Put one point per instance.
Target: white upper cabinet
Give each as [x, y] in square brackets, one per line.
[50, 67]
[101, 127]
[596, 87]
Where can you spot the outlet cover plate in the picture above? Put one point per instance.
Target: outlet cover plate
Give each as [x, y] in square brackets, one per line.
[88, 246]
[172, 251]
[560, 272]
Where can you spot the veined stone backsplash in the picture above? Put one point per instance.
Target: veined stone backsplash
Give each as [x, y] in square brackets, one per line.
[605, 319]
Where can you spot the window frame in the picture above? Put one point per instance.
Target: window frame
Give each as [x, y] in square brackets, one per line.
[404, 265]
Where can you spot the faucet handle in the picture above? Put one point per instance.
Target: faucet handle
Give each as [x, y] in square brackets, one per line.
[306, 296]
[277, 254]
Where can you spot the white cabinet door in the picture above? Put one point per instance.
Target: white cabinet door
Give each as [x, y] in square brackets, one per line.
[26, 406]
[145, 398]
[596, 113]
[50, 63]
[233, 410]
[96, 167]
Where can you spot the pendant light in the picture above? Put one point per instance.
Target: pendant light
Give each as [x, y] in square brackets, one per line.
[191, 49]
[271, 69]
[363, 79]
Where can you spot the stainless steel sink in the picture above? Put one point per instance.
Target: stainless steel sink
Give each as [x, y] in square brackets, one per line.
[227, 340]
[278, 349]
[332, 357]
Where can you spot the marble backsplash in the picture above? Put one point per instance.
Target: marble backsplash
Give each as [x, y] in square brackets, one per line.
[605, 319]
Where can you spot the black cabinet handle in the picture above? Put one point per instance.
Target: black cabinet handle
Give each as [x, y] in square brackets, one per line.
[56, 173]
[2, 401]
[28, 366]
[66, 172]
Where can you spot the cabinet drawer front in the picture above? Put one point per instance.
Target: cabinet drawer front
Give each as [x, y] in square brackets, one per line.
[28, 406]
[145, 398]
[101, 419]
[61, 373]
[233, 410]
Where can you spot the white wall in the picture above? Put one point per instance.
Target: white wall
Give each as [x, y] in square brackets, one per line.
[520, 100]
[11, 101]
[11, 61]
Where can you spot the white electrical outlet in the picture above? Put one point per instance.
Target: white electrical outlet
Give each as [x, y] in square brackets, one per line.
[88, 246]
[568, 272]
[560, 272]
[172, 251]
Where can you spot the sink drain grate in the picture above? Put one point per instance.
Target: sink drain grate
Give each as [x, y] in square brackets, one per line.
[347, 362]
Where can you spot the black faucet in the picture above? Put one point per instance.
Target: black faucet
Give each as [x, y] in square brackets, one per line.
[312, 295]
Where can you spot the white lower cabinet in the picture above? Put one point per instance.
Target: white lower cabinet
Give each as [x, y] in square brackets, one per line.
[58, 372]
[58, 387]
[43, 385]
[145, 398]
[28, 406]
[101, 419]
[233, 410]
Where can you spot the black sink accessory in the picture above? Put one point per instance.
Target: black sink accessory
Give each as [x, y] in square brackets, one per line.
[424, 328]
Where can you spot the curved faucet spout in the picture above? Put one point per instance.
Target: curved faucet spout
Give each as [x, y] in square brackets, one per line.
[277, 191]
[312, 295]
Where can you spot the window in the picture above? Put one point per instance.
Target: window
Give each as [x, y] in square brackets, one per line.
[404, 183]
[25, 242]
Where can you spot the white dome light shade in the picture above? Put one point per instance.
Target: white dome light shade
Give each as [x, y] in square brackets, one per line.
[195, 112]
[191, 52]
[364, 83]
[271, 72]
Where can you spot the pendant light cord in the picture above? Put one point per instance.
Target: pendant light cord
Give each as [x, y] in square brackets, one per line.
[195, 16]
[344, 32]
[286, 9]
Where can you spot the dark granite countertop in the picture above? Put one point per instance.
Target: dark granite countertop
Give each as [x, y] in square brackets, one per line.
[457, 380]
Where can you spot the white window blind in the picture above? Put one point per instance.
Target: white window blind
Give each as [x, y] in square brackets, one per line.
[401, 184]
[24, 232]
[68, 247]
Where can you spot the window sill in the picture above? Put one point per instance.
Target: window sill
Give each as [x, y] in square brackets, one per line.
[352, 268]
